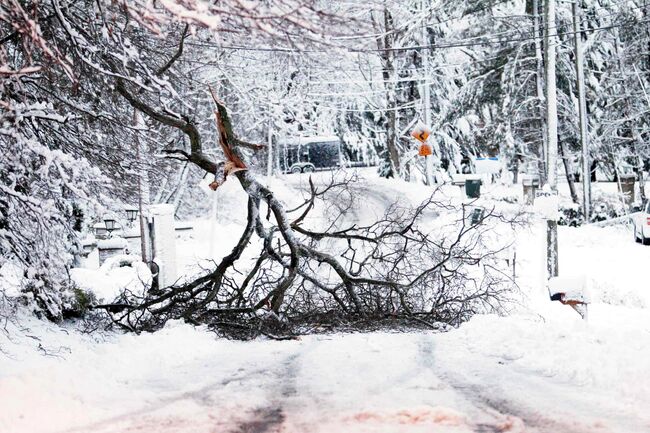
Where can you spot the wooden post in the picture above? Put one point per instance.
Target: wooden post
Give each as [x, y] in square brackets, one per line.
[142, 217]
[582, 110]
[551, 41]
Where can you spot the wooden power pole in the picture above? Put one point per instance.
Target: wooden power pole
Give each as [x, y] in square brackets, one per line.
[551, 42]
[426, 91]
[582, 110]
[539, 82]
[143, 196]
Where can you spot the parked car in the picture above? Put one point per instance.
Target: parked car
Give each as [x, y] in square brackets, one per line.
[302, 167]
[308, 154]
[641, 222]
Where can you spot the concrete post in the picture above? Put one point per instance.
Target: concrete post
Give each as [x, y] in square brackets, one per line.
[164, 242]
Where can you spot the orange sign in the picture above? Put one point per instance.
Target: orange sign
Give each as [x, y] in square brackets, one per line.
[421, 134]
[425, 150]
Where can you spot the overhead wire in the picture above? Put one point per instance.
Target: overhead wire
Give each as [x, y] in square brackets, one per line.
[460, 43]
[454, 44]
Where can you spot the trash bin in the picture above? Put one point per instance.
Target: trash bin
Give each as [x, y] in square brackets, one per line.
[530, 184]
[476, 215]
[473, 187]
[627, 187]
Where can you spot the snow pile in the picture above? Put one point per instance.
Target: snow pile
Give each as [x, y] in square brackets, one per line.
[117, 273]
[600, 367]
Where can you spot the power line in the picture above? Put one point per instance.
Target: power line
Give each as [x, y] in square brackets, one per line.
[461, 44]
[455, 18]
[456, 44]
[411, 79]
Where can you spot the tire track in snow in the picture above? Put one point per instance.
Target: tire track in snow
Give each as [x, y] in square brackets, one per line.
[210, 410]
[270, 418]
[505, 412]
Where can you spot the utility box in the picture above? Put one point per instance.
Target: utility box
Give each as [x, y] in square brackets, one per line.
[626, 186]
[530, 184]
[473, 186]
[163, 242]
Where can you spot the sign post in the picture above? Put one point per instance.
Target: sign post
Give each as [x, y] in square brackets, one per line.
[421, 133]
[547, 205]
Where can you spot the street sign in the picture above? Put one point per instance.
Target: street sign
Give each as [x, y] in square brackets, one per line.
[547, 204]
[425, 150]
[421, 133]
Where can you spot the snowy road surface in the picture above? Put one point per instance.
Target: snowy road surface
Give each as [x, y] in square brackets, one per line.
[459, 381]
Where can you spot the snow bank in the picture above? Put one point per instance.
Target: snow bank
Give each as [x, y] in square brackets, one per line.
[116, 274]
[75, 379]
[523, 357]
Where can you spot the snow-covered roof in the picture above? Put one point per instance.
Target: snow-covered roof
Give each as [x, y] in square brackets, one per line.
[112, 243]
[89, 240]
[306, 140]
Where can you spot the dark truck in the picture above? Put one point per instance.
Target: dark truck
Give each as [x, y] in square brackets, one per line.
[308, 154]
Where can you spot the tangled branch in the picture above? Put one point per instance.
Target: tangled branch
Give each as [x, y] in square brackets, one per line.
[393, 266]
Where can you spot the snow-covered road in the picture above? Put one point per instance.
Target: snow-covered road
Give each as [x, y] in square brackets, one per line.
[458, 381]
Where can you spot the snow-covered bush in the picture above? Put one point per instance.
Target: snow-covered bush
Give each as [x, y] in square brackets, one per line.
[117, 274]
[604, 206]
[571, 215]
[607, 206]
[45, 194]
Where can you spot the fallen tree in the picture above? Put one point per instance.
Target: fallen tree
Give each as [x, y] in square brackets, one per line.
[302, 275]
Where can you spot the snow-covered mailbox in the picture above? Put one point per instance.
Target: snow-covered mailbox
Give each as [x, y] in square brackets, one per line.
[163, 242]
[110, 247]
[627, 187]
[530, 183]
[572, 291]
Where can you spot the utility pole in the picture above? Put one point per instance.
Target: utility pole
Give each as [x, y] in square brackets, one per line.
[551, 41]
[426, 92]
[269, 149]
[540, 90]
[137, 122]
[582, 110]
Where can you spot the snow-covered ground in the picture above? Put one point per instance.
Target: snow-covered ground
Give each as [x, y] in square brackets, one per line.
[539, 369]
